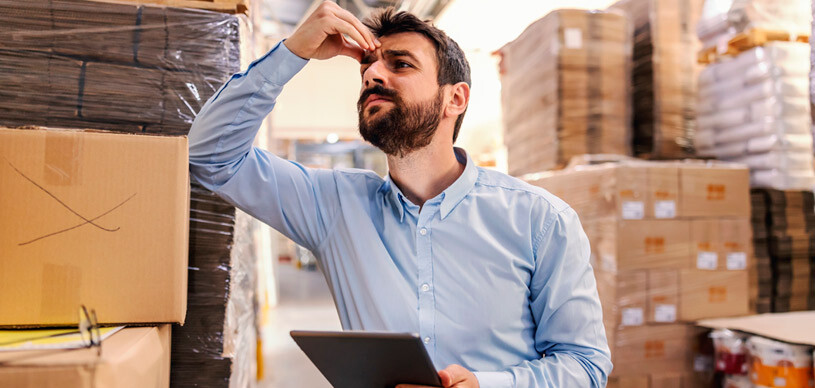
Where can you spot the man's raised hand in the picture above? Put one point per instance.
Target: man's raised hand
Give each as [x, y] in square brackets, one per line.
[321, 35]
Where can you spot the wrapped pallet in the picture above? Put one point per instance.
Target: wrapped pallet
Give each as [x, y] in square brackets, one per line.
[146, 69]
[722, 20]
[565, 89]
[131, 68]
[670, 245]
[754, 109]
[664, 73]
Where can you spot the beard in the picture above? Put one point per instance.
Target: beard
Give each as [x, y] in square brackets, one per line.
[402, 129]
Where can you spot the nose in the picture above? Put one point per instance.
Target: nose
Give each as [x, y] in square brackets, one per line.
[374, 74]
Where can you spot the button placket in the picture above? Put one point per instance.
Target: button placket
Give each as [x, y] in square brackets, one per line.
[424, 250]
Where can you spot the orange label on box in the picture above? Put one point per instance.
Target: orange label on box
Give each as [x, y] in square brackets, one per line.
[732, 245]
[655, 244]
[627, 194]
[654, 349]
[704, 246]
[717, 294]
[594, 189]
[660, 298]
[715, 192]
[662, 194]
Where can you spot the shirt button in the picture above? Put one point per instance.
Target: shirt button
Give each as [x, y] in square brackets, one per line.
[427, 340]
[425, 287]
[423, 231]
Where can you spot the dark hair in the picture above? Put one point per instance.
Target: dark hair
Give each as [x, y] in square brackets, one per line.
[453, 65]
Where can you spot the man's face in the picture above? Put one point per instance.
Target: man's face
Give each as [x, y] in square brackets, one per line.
[400, 103]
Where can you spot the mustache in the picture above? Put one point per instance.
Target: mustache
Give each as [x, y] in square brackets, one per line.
[377, 89]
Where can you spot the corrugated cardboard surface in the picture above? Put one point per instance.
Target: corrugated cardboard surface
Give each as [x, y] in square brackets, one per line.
[712, 294]
[794, 327]
[92, 218]
[136, 357]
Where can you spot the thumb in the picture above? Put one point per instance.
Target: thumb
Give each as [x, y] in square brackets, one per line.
[452, 375]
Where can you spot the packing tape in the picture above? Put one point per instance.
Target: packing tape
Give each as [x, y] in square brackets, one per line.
[60, 292]
[61, 166]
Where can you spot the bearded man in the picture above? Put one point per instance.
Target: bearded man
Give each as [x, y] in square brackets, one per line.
[492, 273]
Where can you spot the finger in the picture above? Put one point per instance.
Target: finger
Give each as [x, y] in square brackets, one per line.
[344, 27]
[352, 50]
[411, 386]
[350, 18]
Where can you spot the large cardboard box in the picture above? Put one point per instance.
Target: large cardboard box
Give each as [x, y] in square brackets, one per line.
[719, 191]
[704, 294]
[623, 296]
[134, 357]
[92, 218]
[650, 348]
[645, 244]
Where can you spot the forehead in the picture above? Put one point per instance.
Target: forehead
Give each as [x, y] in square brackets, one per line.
[417, 44]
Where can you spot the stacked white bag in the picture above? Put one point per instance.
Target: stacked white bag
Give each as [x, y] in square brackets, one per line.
[754, 109]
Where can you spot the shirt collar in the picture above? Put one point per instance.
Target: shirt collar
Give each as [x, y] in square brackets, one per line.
[451, 196]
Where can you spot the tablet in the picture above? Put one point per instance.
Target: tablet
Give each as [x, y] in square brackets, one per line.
[356, 359]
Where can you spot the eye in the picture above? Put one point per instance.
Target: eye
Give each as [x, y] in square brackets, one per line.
[401, 65]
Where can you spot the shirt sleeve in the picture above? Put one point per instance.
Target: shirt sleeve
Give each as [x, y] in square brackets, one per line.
[570, 332]
[291, 198]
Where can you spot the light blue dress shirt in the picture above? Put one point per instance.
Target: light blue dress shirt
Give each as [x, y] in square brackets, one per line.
[493, 273]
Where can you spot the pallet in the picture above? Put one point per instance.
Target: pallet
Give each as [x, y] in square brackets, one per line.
[745, 41]
[225, 6]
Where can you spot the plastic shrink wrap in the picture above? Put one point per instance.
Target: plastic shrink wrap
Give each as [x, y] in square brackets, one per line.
[724, 19]
[754, 109]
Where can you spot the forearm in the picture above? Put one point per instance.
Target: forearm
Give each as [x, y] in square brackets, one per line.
[224, 130]
[563, 368]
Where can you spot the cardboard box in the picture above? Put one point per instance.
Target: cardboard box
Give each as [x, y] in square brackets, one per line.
[663, 296]
[671, 380]
[628, 382]
[793, 327]
[712, 294]
[714, 191]
[653, 244]
[705, 244]
[663, 348]
[92, 218]
[630, 190]
[623, 296]
[735, 235]
[134, 357]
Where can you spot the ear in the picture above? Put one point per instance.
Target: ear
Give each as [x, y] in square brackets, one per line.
[457, 100]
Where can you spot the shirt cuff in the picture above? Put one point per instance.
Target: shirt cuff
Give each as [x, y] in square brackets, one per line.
[494, 379]
[279, 65]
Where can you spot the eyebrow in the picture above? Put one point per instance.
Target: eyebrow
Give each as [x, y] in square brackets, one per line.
[370, 57]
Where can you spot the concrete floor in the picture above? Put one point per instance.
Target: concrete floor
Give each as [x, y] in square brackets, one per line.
[304, 304]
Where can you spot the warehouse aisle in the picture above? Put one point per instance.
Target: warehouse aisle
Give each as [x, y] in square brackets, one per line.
[305, 303]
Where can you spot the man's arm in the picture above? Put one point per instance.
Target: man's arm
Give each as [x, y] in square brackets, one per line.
[568, 315]
[570, 329]
[291, 198]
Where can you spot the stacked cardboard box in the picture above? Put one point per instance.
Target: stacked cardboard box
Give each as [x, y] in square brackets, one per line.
[565, 89]
[94, 219]
[755, 110]
[670, 245]
[144, 69]
[784, 225]
[664, 75]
